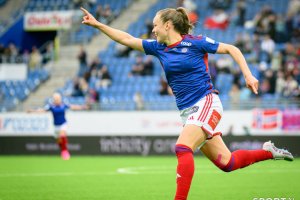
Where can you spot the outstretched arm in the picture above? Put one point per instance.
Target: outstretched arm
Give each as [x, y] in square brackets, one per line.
[39, 110]
[251, 82]
[115, 34]
[79, 107]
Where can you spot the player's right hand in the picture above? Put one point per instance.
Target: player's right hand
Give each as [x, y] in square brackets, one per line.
[88, 18]
[252, 83]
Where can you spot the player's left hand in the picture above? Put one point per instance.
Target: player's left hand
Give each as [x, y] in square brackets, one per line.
[252, 83]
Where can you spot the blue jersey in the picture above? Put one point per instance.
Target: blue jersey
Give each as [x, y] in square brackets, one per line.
[186, 66]
[58, 112]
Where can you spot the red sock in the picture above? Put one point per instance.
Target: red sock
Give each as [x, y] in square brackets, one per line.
[185, 171]
[63, 142]
[243, 158]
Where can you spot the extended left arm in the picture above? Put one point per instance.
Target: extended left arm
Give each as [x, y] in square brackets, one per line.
[236, 54]
[79, 107]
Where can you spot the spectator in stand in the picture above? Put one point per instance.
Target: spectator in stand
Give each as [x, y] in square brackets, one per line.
[267, 48]
[141, 67]
[2, 50]
[99, 12]
[240, 12]
[123, 51]
[92, 98]
[105, 78]
[26, 57]
[220, 4]
[93, 78]
[292, 25]
[164, 87]
[281, 35]
[270, 76]
[80, 87]
[179, 3]
[290, 87]
[11, 53]
[276, 61]
[107, 15]
[265, 21]
[138, 66]
[96, 64]
[149, 26]
[148, 66]
[265, 87]
[48, 55]
[139, 101]
[256, 47]
[234, 95]
[280, 84]
[218, 20]
[191, 8]
[82, 58]
[243, 42]
[35, 59]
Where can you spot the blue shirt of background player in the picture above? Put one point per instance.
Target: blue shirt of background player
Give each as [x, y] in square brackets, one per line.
[58, 112]
[186, 67]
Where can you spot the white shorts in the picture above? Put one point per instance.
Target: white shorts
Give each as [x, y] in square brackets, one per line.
[206, 113]
[59, 128]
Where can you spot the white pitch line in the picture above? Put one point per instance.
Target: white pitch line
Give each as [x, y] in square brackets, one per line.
[200, 170]
[3, 175]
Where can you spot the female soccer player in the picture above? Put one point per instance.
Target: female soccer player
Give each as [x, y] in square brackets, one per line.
[184, 60]
[58, 109]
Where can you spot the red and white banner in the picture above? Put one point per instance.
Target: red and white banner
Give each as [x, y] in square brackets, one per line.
[267, 119]
[52, 20]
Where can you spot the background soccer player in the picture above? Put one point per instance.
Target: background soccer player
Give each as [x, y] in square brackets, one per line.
[184, 60]
[58, 109]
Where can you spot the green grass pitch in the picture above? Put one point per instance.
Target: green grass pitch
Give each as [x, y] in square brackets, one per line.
[139, 178]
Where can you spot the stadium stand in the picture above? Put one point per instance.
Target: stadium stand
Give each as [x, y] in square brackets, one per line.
[120, 95]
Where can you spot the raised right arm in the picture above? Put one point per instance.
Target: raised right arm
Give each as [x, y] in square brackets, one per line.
[115, 34]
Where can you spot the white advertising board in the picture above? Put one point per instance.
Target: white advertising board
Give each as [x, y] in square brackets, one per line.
[50, 20]
[148, 123]
[23, 124]
[13, 71]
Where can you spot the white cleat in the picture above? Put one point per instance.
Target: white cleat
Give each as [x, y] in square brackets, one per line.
[278, 154]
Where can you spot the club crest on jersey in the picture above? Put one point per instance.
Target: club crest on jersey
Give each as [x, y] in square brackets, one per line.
[184, 50]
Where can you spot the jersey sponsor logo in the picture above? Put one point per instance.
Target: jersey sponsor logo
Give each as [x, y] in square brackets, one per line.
[210, 40]
[186, 44]
[191, 110]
